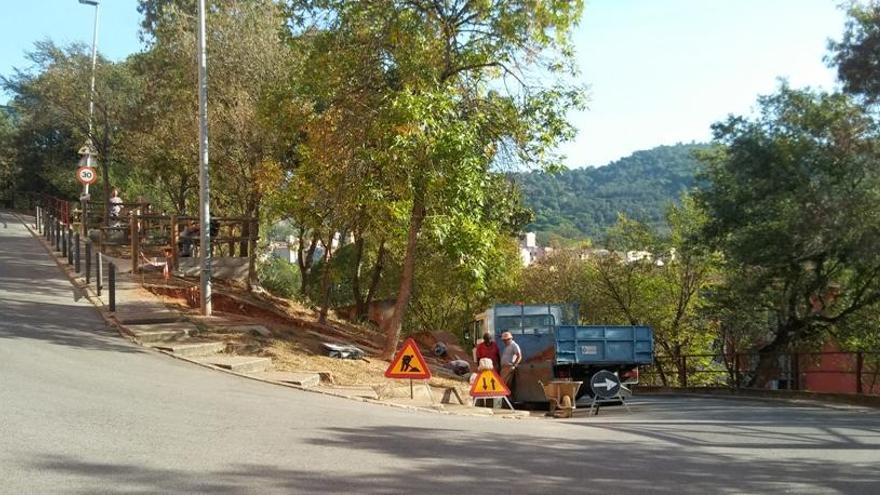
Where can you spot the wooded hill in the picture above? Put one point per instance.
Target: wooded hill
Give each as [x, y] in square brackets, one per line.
[582, 203]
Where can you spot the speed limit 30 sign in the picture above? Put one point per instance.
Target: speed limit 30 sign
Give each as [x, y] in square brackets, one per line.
[86, 175]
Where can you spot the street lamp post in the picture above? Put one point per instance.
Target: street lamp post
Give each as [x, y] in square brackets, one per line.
[204, 188]
[89, 144]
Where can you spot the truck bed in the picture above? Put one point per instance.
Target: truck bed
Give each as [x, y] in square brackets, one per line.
[599, 345]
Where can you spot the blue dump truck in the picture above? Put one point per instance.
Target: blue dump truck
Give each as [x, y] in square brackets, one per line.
[554, 348]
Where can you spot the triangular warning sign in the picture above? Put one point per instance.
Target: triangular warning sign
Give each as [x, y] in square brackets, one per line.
[409, 363]
[489, 384]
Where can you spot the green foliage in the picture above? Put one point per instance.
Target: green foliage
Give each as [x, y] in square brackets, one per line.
[248, 64]
[446, 295]
[857, 54]
[794, 205]
[406, 92]
[280, 278]
[583, 203]
[280, 231]
[666, 291]
[51, 102]
[861, 332]
[9, 172]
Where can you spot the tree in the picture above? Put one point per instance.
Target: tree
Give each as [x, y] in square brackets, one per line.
[249, 65]
[9, 172]
[665, 289]
[793, 201]
[584, 202]
[446, 120]
[857, 54]
[52, 104]
[447, 295]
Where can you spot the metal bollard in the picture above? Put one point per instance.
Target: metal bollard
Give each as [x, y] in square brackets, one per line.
[111, 281]
[88, 261]
[76, 252]
[99, 272]
[69, 247]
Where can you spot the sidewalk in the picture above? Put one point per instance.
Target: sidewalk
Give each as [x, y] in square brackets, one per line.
[142, 317]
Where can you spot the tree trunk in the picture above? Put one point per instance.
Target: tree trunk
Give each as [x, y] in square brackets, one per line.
[768, 359]
[325, 281]
[391, 326]
[669, 354]
[377, 274]
[180, 202]
[304, 260]
[243, 244]
[662, 372]
[360, 306]
[253, 232]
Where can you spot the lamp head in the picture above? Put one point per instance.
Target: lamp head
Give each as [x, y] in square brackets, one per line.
[89, 2]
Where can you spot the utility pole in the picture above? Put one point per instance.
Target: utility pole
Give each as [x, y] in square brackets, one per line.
[90, 144]
[204, 185]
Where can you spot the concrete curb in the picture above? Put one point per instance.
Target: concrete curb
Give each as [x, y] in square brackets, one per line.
[125, 332]
[791, 396]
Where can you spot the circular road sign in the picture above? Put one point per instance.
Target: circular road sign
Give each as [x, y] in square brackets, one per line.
[86, 175]
[605, 384]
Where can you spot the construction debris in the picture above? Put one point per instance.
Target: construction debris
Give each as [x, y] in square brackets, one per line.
[343, 351]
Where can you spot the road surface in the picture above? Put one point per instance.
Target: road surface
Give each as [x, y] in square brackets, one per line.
[84, 411]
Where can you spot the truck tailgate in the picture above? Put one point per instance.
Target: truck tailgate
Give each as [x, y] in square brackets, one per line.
[595, 344]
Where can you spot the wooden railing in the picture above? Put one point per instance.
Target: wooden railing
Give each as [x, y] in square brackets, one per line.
[148, 235]
[845, 372]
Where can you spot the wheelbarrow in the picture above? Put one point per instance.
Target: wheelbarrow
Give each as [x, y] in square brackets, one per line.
[561, 394]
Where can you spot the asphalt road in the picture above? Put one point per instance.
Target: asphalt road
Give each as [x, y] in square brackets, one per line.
[84, 411]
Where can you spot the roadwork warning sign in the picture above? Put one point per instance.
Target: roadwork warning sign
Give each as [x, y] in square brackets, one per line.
[409, 363]
[489, 384]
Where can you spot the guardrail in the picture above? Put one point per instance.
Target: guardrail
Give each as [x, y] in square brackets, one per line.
[844, 372]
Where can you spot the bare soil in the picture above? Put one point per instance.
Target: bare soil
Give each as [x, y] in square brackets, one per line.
[295, 344]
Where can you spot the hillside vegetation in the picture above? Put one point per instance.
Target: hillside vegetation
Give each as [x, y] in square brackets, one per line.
[580, 203]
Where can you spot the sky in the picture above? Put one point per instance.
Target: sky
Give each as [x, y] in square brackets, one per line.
[658, 71]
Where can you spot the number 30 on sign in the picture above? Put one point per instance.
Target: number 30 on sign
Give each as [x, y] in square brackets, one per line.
[86, 175]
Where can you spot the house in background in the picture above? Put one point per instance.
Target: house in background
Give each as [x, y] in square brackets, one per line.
[529, 250]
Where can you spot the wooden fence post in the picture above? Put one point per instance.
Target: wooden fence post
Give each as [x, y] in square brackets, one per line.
[174, 238]
[135, 241]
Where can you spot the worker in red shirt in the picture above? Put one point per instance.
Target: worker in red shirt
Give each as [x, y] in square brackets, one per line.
[488, 349]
